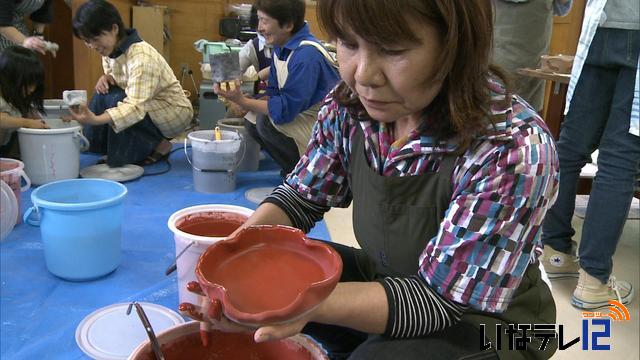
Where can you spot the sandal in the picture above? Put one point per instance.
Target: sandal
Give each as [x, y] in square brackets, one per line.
[102, 160]
[153, 158]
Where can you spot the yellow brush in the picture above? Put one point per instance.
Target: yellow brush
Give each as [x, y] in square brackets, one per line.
[217, 133]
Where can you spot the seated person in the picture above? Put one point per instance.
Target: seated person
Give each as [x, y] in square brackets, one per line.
[139, 103]
[21, 95]
[300, 76]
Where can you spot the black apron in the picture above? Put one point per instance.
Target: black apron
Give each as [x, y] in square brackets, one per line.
[395, 217]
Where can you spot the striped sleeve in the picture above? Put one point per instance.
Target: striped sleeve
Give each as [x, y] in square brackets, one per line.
[416, 310]
[303, 213]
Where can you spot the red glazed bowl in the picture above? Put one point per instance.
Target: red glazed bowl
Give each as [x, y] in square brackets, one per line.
[268, 274]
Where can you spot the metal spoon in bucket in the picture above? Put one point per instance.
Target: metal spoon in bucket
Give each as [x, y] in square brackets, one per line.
[174, 265]
[155, 346]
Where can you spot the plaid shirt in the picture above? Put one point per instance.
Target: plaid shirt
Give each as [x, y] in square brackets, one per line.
[503, 186]
[151, 87]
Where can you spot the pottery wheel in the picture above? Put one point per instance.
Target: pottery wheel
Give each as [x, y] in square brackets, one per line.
[103, 171]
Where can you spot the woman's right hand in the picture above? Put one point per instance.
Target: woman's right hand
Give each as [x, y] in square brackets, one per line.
[35, 43]
[35, 124]
[103, 84]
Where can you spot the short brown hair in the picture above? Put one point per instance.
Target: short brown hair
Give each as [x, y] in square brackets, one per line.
[285, 11]
[466, 32]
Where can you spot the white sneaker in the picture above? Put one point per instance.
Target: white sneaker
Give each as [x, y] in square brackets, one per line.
[591, 294]
[559, 265]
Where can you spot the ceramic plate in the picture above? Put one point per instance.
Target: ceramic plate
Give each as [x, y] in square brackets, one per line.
[121, 174]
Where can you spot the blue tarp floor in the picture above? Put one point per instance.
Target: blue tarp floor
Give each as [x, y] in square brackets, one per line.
[40, 312]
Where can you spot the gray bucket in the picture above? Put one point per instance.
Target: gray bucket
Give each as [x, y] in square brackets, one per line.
[55, 108]
[252, 153]
[214, 161]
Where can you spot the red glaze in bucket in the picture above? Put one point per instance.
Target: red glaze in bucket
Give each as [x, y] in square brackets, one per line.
[183, 342]
[213, 224]
[198, 227]
[268, 274]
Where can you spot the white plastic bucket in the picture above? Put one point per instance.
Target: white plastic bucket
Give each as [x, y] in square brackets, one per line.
[251, 158]
[214, 161]
[12, 173]
[186, 263]
[52, 154]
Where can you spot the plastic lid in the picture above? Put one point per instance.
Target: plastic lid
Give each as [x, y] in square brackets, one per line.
[8, 209]
[121, 174]
[110, 334]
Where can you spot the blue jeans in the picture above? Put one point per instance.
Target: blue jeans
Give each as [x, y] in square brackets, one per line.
[598, 118]
[129, 146]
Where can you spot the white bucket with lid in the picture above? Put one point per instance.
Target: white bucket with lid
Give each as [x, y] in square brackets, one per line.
[186, 263]
[214, 161]
[52, 154]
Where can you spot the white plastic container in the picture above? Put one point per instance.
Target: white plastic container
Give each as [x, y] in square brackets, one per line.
[52, 154]
[186, 263]
[12, 173]
[251, 158]
[215, 161]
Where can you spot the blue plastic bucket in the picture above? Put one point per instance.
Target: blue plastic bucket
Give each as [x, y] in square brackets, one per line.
[80, 222]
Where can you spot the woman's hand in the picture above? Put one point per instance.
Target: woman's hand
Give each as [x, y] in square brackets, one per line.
[281, 331]
[232, 94]
[83, 115]
[235, 111]
[103, 84]
[34, 124]
[35, 43]
[224, 324]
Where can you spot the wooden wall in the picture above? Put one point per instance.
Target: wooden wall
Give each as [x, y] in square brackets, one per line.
[58, 71]
[191, 20]
[564, 37]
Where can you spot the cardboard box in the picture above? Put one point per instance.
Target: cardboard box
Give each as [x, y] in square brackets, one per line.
[152, 23]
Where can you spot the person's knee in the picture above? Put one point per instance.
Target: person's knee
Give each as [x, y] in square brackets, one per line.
[101, 102]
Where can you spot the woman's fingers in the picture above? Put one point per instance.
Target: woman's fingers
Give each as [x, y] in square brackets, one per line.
[194, 287]
[277, 332]
[36, 44]
[191, 310]
[198, 313]
[101, 87]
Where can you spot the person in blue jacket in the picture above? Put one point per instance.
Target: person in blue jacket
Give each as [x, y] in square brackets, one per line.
[301, 75]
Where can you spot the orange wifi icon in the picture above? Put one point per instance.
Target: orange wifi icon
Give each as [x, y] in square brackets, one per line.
[618, 311]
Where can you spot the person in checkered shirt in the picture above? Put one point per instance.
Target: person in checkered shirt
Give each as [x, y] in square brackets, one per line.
[139, 104]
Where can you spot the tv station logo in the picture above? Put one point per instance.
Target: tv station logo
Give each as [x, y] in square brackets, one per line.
[596, 327]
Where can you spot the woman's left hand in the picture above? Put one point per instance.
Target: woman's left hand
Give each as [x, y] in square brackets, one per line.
[83, 115]
[224, 324]
[281, 331]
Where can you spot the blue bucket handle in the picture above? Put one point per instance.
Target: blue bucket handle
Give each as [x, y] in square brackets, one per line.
[27, 216]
